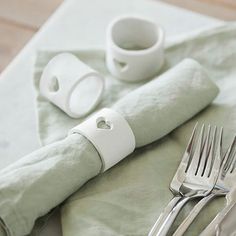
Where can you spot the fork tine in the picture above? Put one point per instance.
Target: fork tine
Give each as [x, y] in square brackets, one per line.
[232, 168]
[211, 157]
[228, 158]
[219, 146]
[229, 154]
[218, 152]
[189, 148]
[193, 167]
[205, 152]
[215, 169]
[233, 162]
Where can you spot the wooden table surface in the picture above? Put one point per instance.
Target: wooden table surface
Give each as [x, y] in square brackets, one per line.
[21, 19]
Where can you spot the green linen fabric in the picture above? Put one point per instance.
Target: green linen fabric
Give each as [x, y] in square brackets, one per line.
[49, 175]
[158, 107]
[33, 185]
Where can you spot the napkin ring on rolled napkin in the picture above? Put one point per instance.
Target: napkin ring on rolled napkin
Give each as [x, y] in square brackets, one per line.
[111, 135]
[71, 85]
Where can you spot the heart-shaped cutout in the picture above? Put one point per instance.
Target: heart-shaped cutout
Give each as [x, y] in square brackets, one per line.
[102, 123]
[121, 66]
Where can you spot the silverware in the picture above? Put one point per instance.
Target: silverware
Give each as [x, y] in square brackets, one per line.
[195, 177]
[224, 183]
[176, 183]
[226, 225]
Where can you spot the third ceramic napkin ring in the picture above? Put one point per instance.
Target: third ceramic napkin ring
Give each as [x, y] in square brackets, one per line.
[135, 48]
[110, 134]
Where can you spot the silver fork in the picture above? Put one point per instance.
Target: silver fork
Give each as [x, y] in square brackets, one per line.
[176, 183]
[199, 179]
[224, 183]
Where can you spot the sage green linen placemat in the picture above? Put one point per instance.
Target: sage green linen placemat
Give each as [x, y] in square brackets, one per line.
[127, 199]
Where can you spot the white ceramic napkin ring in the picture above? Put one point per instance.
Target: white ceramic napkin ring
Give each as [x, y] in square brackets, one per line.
[71, 85]
[135, 48]
[110, 134]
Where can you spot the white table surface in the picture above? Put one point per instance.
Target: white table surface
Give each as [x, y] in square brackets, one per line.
[74, 25]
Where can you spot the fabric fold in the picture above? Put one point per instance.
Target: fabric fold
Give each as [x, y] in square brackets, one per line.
[43, 179]
[158, 107]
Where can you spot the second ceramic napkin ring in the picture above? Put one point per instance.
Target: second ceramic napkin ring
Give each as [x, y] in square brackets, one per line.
[135, 48]
[71, 85]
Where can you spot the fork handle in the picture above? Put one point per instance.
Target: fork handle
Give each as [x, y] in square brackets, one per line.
[192, 215]
[164, 214]
[213, 227]
[194, 212]
[164, 222]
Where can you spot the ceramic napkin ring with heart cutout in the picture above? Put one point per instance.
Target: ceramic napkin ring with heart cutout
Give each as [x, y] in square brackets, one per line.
[134, 48]
[110, 134]
[71, 85]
